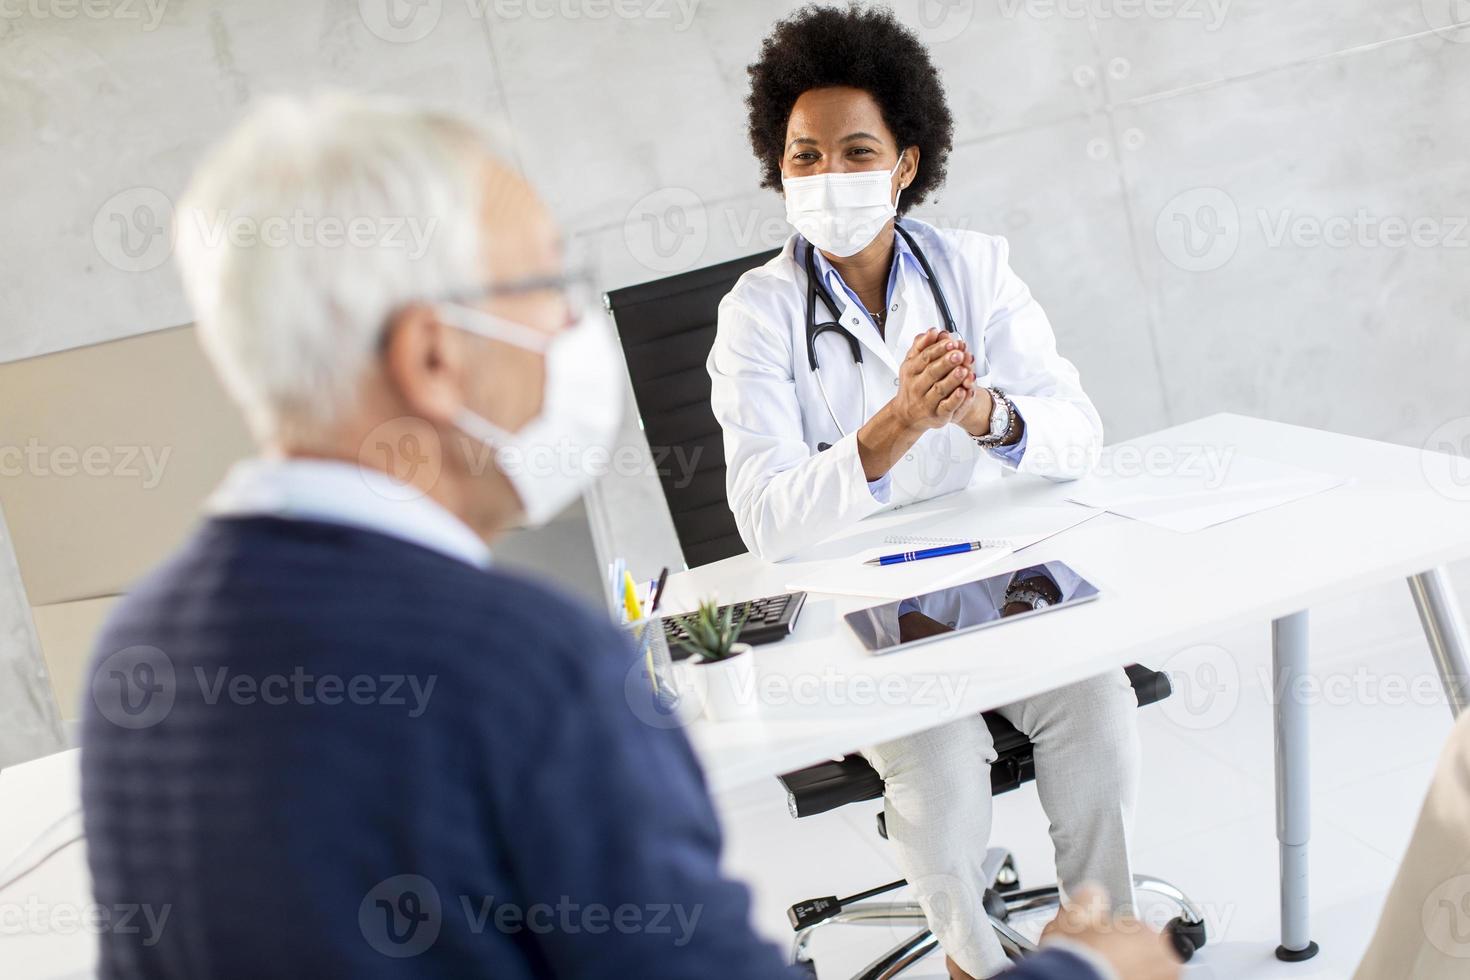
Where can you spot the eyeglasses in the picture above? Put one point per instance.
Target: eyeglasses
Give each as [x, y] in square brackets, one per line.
[578, 289]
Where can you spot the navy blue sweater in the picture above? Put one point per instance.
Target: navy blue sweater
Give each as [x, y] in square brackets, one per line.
[320, 751]
[311, 750]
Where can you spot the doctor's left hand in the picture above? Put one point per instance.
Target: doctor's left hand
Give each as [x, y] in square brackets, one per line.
[974, 415]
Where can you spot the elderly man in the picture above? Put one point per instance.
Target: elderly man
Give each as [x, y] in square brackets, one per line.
[328, 737]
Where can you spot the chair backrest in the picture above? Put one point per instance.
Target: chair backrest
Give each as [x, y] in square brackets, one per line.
[667, 328]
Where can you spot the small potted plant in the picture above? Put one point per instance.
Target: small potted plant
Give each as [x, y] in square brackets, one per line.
[726, 667]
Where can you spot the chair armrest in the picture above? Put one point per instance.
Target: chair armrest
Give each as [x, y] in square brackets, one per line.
[1148, 685]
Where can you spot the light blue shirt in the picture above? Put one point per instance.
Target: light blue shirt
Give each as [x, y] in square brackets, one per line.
[339, 492]
[903, 256]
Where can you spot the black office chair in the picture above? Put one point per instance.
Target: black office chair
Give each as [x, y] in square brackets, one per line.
[667, 328]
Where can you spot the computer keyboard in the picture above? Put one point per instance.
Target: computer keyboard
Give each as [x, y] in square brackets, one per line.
[770, 619]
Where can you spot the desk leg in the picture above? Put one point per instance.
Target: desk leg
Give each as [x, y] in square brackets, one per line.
[1293, 792]
[1444, 628]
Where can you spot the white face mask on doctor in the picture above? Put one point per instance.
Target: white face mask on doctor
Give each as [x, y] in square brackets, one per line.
[551, 459]
[841, 213]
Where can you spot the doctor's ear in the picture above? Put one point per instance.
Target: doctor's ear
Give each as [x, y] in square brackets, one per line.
[908, 166]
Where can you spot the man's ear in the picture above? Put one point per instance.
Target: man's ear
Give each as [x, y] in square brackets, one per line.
[424, 359]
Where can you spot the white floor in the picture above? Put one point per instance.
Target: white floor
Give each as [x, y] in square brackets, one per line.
[1206, 817]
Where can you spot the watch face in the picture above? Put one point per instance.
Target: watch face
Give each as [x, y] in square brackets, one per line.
[1000, 418]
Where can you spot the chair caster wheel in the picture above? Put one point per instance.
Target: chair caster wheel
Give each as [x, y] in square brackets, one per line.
[1008, 879]
[808, 968]
[1187, 936]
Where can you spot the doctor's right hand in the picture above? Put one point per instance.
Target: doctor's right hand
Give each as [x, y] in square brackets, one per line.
[936, 378]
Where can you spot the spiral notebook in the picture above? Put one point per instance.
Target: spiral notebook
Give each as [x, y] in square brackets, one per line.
[920, 541]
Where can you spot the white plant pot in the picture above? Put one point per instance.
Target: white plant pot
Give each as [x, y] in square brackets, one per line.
[729, 685]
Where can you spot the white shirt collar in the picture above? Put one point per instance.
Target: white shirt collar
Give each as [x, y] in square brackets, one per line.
[339, 492]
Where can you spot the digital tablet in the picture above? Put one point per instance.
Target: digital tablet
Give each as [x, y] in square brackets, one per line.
[986, 602]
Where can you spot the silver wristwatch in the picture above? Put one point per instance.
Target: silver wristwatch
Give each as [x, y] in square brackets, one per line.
[1038, 592]
[1002, 417]
[1029, 597]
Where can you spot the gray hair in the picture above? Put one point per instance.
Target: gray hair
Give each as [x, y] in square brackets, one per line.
[306, 228]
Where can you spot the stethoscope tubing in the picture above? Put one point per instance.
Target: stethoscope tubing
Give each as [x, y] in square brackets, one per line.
[816, 288]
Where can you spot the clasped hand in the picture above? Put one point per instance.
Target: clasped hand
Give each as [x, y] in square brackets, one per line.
[936, 384]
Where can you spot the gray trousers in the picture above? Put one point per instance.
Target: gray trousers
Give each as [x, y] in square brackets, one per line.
[938, 808]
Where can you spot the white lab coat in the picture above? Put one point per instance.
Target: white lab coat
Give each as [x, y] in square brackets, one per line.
[784, 492]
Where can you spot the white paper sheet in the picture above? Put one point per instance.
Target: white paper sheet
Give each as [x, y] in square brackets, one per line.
[1191, 498]
[1002, 516]
[849, 576]
[1020, 524]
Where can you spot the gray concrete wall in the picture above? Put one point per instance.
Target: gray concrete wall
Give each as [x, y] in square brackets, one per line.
[30, 724]
[1254, 205]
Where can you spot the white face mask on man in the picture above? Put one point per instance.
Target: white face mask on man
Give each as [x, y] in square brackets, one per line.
[551, 459]
[841, 213]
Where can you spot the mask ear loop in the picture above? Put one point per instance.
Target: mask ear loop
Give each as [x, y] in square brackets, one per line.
[492, 327]
[478, 427]
[901, 187]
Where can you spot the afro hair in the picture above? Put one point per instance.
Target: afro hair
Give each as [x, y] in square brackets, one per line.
[859, 47]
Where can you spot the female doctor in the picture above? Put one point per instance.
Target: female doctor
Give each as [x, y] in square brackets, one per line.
[878, 361]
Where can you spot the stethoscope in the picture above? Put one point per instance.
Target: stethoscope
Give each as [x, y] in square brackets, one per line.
[814, 288]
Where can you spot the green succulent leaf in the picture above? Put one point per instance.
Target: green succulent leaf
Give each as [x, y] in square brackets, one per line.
[711, 631]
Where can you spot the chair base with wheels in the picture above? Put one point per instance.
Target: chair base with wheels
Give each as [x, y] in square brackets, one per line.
[829, 785]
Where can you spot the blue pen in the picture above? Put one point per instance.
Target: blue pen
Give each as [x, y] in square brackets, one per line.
[949, 549]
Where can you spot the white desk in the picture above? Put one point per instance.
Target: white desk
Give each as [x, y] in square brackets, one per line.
[45, 927]
[1162, 592]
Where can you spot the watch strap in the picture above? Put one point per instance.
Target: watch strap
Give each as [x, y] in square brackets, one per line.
[993, 439]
